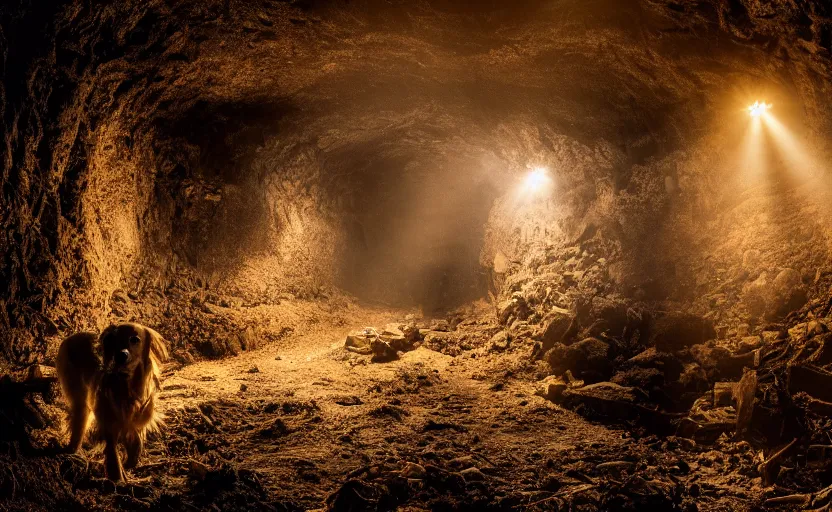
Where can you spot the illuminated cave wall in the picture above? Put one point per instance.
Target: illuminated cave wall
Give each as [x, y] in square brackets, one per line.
[161, 151]
[731, 224]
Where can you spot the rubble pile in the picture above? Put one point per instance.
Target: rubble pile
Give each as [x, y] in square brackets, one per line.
[741, 355]
[675, 373]
[451, 336]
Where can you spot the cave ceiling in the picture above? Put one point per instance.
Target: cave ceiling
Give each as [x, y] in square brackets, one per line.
[438, 76]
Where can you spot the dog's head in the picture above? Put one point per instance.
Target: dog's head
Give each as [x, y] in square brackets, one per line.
[128, 346]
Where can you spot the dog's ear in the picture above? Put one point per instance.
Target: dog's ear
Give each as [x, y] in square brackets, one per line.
[103, 339]
[156, 345]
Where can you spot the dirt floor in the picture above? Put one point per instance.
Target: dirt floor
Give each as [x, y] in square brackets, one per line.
[303, 424]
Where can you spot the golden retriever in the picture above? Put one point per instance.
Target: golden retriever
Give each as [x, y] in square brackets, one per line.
[116, 377]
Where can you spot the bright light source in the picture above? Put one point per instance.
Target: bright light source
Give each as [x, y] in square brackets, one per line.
[537, 179]
[758, 108]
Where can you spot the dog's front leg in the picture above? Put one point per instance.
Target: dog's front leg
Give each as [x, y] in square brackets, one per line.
[78, 421]
[112, 462]
[135, 447]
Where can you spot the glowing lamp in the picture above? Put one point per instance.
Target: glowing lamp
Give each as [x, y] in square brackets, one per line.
[758, 108]
[537, 179]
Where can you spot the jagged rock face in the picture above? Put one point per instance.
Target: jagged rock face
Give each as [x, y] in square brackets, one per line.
[266, 147]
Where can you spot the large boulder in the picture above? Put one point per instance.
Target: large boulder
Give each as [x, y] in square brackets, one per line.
[776, 297]
[359, 342]
[665, 363]
[558, 326]
[587, 359]
[609, 315]
[675, 331]
[514, 308]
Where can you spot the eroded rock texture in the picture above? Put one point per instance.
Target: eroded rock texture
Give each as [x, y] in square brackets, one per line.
[265, 148]
[239, 174]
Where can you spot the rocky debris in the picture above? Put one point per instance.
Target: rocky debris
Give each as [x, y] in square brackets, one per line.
[500, 341]
[413, 471]
[771, 298]
[557, 327]
[359, 342]
[552, 388]
[515, 307]
[612, 316]
[20, 410]
[610, 402]
[673, 331]
[383, 351]
[589, 359]
[385, 346]
[393, 339]
[472, 475]
[766, 385]
[440, 325]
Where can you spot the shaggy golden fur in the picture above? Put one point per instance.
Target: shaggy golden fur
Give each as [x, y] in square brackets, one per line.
[116, 377]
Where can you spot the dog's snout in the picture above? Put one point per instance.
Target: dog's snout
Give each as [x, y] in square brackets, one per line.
[122, 356]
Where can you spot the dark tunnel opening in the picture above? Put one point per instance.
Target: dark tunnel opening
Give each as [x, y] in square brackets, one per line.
[417, 234]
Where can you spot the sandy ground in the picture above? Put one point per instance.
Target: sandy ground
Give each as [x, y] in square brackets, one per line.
[302, 424]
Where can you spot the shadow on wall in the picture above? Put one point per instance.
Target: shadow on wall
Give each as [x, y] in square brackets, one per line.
[250, 211]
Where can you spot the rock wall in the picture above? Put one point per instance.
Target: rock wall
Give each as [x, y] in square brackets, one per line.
[147, 145]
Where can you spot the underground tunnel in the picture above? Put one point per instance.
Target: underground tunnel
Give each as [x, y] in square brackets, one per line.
[439, 255]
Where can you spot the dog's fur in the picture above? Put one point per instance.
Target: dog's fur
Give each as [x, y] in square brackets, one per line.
[116, 377]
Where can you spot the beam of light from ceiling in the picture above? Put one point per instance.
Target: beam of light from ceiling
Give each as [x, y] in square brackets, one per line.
[752, 155]
[794, 155]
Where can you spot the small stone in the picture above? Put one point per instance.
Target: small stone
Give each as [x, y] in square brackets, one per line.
[515, 307]
[243, 387]
[440, 325]
[786, 280]
[254, 369]
[798, 331]
[552, 388]
[461, 462]
[556, 328]
[750, 259]
[501, 263]
[500, 341]
[472, 475]
[816, 327]
[413, 471]
[393, 329]
[743, 330]
[749, 343]
[358, 342]
[197, 470]
[770, 337]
